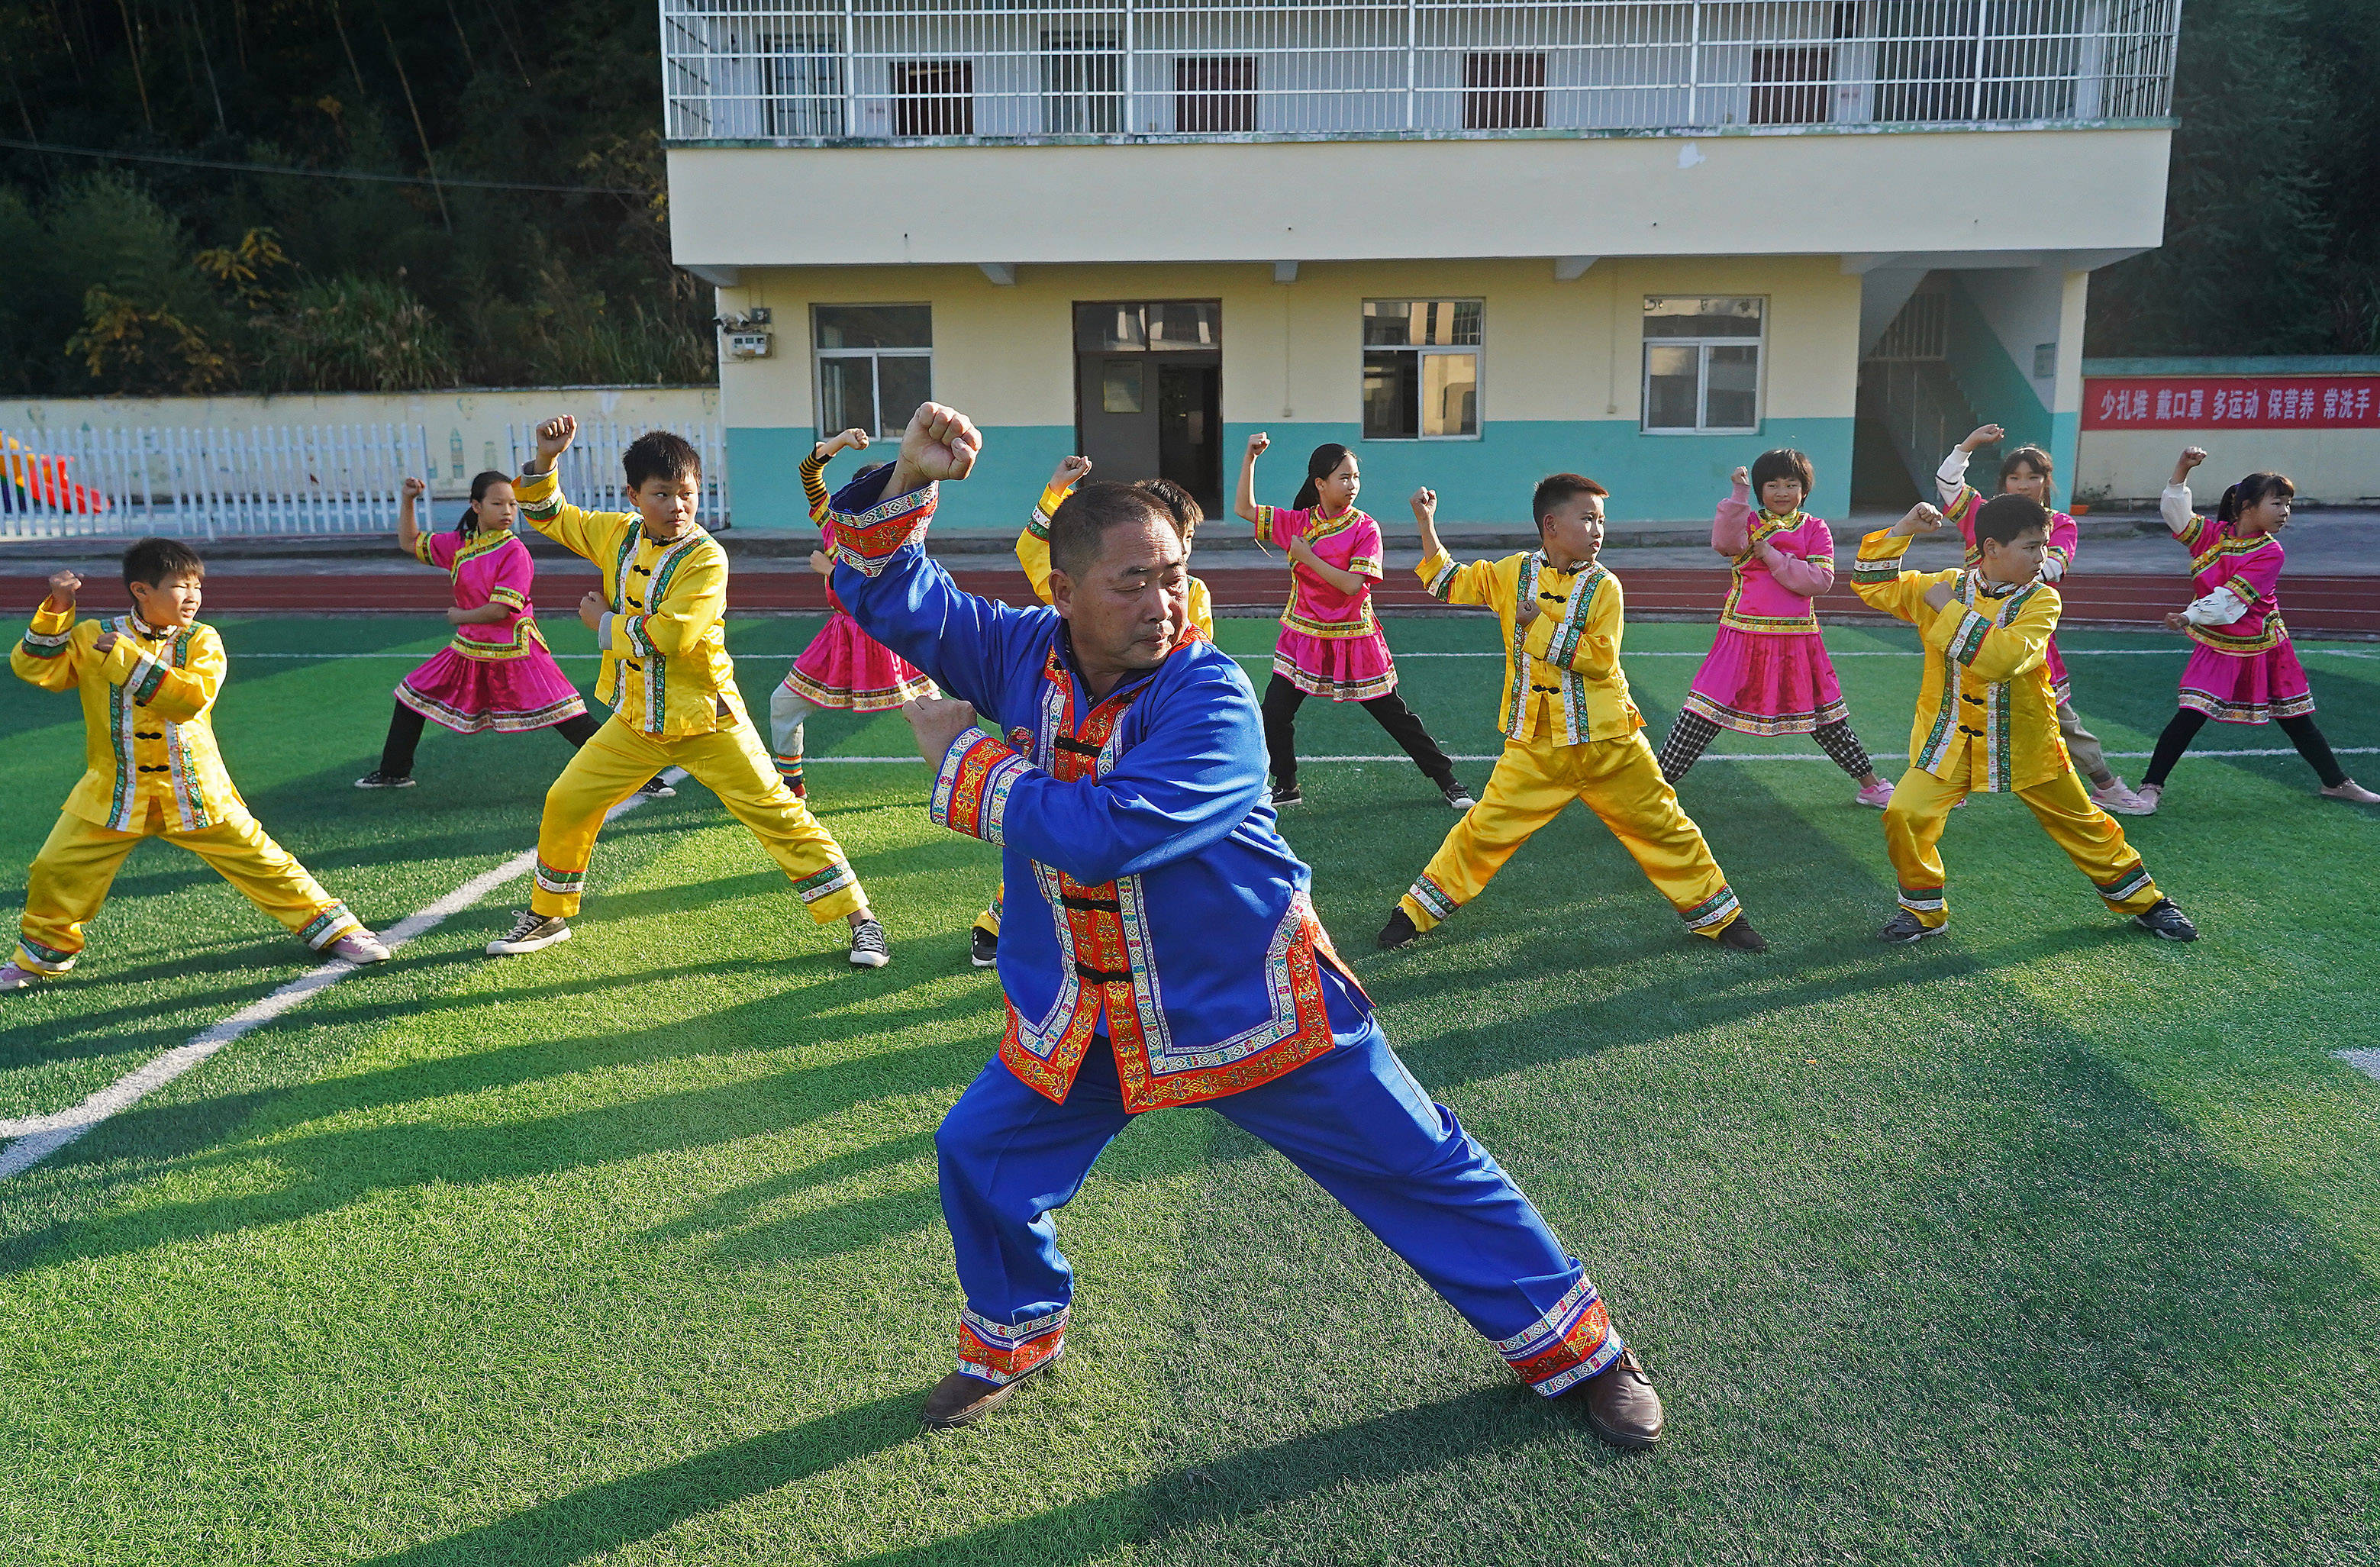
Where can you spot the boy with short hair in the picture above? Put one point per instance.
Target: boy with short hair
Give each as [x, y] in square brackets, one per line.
[148, 682]
[1571, 730]
[671, 690]
[1987, 717]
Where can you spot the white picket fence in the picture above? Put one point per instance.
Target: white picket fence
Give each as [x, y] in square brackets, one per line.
[591, 474]
[290, 479]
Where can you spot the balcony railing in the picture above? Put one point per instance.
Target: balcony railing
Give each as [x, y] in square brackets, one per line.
[901, 70]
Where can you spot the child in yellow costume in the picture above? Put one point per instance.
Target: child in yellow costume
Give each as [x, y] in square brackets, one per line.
[671, 690]
[1033, 554]
[148, 682]
[1987, 717]
[1571, 730]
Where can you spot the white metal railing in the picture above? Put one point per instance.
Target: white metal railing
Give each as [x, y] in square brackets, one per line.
[591, 474]
[803, 71]
[121, 482]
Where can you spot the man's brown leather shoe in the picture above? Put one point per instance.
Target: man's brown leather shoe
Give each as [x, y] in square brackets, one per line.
[963, 1398]
[1620, 1404]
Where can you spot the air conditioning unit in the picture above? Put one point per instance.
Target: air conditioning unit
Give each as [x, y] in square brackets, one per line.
[748, 344]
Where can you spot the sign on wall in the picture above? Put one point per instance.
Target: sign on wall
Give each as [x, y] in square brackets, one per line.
[2235, 402]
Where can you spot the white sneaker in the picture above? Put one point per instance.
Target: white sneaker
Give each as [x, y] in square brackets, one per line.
[2116, 800]
[2349, 790]
[531, 933]
[359, 947]
[2150, 796]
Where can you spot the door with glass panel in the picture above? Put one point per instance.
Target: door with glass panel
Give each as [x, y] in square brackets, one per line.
[1148, 382]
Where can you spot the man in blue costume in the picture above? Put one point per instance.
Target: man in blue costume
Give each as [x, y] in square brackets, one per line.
[1161, 947]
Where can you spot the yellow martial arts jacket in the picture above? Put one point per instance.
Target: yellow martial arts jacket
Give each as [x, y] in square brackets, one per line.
[1033, 554]
[1986, 714]
[666, 673]
[146, 734]
[1561, 671]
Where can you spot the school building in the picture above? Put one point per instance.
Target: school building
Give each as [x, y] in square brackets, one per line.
[1640, 240]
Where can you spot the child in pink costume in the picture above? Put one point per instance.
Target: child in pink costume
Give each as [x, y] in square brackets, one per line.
[844, 669]
[1767, 672]
[2244, 668]
[496, 673]
[1331, 643]
[2028, 471]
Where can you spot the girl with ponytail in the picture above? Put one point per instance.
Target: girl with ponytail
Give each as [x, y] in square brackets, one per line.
[496, 673]
[1331, 643]
[2243, 669]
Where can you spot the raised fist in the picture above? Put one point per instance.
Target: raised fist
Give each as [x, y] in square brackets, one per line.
[412, 489]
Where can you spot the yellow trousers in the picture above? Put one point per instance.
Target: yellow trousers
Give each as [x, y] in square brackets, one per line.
[1620, 782]
[69, 880]
[1921, 803]
[732, 764]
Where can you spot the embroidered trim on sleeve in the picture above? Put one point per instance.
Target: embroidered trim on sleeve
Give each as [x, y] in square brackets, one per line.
[868, 540]
[1967, 641]
[972, 786]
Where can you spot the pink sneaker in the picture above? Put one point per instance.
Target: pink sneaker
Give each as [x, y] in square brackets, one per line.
[2116, 800]
[15, 978]
[2149, 794]
[359, 947]
[1878, 795]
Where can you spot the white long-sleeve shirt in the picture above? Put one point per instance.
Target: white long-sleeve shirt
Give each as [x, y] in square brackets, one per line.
[2220, 607]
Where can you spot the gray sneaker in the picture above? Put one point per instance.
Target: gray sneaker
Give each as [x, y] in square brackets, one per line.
[868, 947]
[1905, 928]
[531, 933]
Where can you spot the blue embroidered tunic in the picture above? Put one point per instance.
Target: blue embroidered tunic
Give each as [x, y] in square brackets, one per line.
[1170, 915]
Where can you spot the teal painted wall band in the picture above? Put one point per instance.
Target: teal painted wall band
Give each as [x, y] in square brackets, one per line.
[1652, 478]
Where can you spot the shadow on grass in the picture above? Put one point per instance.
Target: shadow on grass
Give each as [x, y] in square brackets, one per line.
[600, 1518]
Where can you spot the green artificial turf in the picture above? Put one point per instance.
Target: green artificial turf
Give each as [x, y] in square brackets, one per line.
[2044, 1242]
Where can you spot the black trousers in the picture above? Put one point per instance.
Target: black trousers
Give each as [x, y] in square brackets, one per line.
[404, 737]
[1283, 699]
[2303, 733]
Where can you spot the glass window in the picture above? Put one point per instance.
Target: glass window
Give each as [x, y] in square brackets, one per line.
[1082, 82]
[876, 364]
[1158, 325]
[1702, 363]
[1421, 369]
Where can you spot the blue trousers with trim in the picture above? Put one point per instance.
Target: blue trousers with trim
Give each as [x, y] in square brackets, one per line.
[1353, 1119]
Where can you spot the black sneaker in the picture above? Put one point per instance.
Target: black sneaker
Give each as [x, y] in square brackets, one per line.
[531, 933]
[2162, 919]
[868, 947]
[1904, 927]
[657, 788]
[1287, 794]
[1741, 936]
[376, 779]
[1399, 931]
[1458, 797]
[983, 948]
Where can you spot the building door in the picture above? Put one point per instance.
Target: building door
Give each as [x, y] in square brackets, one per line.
[1148, 381]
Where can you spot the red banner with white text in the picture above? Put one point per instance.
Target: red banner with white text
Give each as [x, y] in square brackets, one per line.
[2233, 402]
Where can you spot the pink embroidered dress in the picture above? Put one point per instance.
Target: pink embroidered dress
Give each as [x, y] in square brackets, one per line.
[1767, 672]
[498, 674]
[1962, 507]
[1330, 644]
[844, 668]
[2244, 669]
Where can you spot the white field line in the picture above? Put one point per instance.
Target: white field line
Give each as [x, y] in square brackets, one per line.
[34, 1138]
[2366, 1061]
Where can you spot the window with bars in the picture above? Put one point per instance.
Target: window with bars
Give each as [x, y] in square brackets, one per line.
[933, 97]
[1082, 83]
[1791, 86]
[875, 365]
[1421, 369]
[1504, 92]
[1702, 364]
[801, 86]
[1215, 93]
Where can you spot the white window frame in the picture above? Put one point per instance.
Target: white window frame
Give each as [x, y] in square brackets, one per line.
[874, 356]
[1478, 352]
[1758, 344]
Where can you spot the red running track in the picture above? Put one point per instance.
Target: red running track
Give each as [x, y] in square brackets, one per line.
[2313, 605]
